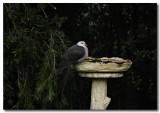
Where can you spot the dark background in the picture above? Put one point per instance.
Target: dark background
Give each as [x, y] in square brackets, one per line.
[36, 35]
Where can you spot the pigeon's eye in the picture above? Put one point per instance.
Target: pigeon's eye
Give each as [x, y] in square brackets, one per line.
[81, 43]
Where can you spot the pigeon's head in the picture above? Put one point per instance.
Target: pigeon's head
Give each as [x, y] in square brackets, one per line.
[81, 43]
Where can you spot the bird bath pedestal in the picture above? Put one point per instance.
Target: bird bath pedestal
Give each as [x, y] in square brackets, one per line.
[100, 69]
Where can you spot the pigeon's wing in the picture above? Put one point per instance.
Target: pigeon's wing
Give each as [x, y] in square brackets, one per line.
[72, 55]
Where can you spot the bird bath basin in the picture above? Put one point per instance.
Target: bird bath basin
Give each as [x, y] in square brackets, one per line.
[100, 69]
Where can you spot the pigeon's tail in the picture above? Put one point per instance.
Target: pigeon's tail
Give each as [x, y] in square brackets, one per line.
[59, 70]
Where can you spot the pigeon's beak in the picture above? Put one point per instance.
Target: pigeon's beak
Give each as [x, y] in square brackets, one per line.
[85, 44]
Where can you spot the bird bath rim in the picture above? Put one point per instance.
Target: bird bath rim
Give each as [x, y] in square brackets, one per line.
[104, 65]
[101, 75]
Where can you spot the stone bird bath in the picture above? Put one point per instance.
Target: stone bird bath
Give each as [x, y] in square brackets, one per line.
[100, 69]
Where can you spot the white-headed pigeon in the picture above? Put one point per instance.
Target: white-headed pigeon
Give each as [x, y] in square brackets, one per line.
[75, 54]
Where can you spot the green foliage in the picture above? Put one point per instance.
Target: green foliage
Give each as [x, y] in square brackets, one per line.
[33, 44]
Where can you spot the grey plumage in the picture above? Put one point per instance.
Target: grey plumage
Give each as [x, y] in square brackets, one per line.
[76, 53]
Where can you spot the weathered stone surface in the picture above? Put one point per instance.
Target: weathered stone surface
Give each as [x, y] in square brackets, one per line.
[113, 64]
[101, 75]
[99, 99]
